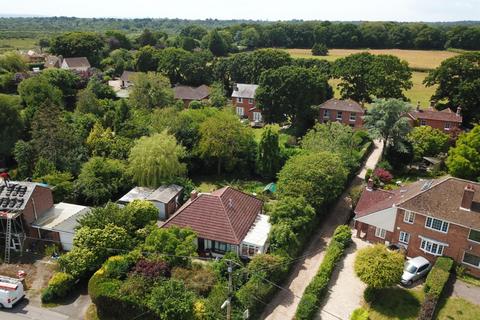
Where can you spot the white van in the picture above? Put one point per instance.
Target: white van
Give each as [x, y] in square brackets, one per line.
[11, 291]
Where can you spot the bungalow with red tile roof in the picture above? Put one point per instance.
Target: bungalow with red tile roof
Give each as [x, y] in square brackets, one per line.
[445, 120]
[428, 218]
[225, 220]
[348, 112]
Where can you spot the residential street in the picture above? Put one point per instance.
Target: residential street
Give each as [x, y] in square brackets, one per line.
[284, 303]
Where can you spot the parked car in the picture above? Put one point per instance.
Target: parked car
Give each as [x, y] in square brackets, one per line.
[415, 268]
[11, 291]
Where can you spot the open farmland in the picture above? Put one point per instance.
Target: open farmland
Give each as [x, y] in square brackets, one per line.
[417, 59]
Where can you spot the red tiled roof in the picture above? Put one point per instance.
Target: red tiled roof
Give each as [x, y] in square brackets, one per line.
[342, 105]
[432, 114]
[225, 215]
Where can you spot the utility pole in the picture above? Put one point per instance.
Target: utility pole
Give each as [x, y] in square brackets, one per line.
[230, 291]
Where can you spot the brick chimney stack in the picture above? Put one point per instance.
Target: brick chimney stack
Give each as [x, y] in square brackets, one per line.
[193, 195]
[459, 111]
[370, 184]
[467, 198]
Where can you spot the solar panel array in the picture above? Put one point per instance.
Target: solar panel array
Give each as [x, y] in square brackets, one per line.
[12, 197]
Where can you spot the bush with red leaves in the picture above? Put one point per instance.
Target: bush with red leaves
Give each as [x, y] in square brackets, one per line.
[152, 269]
[383, 175]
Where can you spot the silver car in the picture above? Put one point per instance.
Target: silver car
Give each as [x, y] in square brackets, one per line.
[415, 269]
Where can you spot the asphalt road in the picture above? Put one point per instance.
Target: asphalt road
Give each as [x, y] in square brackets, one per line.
[24, 310]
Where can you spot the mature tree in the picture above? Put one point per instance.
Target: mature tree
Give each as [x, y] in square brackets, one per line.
[24, 154]
[288, 93]
[224, 139]
[301, 174]
[156, 159]
[78, 44]
[151, 90]
[79, 262]
[117, 39]
[36, 92]
[146, 59]
[176, 244]
[101, 179]
[458, 83]
[12, 62]
[464, 159]
[181, 66]
[430, 38]
[364, 75]
[387, 120]
[217, 96]
[65, 80]
[62, 183]
[43, 43]
[250, 38]
[283, 240]
[118, 61]
[11, 125]
[87, 102]
[269, 157]
[194, 31]
[170, 299]
[101, 89]
[216, 44]
[149, 38]
[378, 267]
[337, 138]
[428, 142]
[294, 211]
[319, 49]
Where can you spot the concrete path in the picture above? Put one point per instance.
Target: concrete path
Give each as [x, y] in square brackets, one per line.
[466, 291]
[285, 302]
[346, 292]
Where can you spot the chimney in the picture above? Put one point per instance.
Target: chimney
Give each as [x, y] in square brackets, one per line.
[193, 195]
[467, 198]
[459, 111]
[235, 87]
[418, 105]
[230, 203]
[370, 184]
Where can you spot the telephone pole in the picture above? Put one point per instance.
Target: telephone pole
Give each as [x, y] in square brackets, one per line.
[230, 291]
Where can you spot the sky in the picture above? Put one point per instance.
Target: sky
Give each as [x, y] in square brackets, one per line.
[336, 10]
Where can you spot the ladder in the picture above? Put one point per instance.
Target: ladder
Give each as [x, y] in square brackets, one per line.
[8, 239]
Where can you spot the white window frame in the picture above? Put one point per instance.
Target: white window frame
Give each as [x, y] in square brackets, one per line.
[240, 113]
[432, 221]
[432, 247]
[423, 122]
[353, 116]
[469, 233]
[257, 116]
[404, 237]
[339, 115]
[447, 126]
[380, 233]
[469, 264]
[240, 100]
[409, 215]
[250, 101]
[326, 113]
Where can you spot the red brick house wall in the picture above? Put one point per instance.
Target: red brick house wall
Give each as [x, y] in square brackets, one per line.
[440, 125]
[456, 238]
[246, 105]
[40, 201]
[358, 123]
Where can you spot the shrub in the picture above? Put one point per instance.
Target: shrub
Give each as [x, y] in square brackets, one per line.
[58, 287]
[79, 262]
[359, 314]
[438, 277]
[343, 235]
[269, 266]
[152, 269]
[383, 175]
[117, 267]
[385, 165]
[200, 280]
[319, 49]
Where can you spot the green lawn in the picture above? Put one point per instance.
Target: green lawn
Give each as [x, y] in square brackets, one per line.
[396, 303]
[213, 182]
[17, 44]
[469, 279]
[458, 309]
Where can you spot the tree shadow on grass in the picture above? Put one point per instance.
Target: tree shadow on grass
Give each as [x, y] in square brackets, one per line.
[396, 303]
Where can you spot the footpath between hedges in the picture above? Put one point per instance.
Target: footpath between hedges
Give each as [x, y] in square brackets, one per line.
[285, 302]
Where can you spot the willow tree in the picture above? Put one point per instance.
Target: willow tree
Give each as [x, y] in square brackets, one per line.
[156, 159]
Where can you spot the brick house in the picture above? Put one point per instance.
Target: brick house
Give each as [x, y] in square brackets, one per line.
[348, 112]
[445, 120]
[188, 94]
[428, 218]
[243, 100]
[224, 220]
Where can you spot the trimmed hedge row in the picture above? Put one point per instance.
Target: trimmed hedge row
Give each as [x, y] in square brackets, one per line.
[434, 285]
[58, 287]
[317, 289]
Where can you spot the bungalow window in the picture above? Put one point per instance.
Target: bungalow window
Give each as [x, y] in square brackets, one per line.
[436, 224]
[222, 246]
[339, 115]
[239, 100]
[250, 101]
[380, 233]
[404, 237]
[409, 217]
[240, 111]
[257, 116]
[474, 235]
[353, 116]
[423, 122]
[326, 113]
[432, 247]
[249, 250]
[447, 126]
[471, 260]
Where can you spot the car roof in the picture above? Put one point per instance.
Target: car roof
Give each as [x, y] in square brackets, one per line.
[418, 261]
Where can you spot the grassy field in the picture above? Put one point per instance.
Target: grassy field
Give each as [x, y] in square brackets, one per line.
[417, 59]
[458, 309]
[17, 44]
